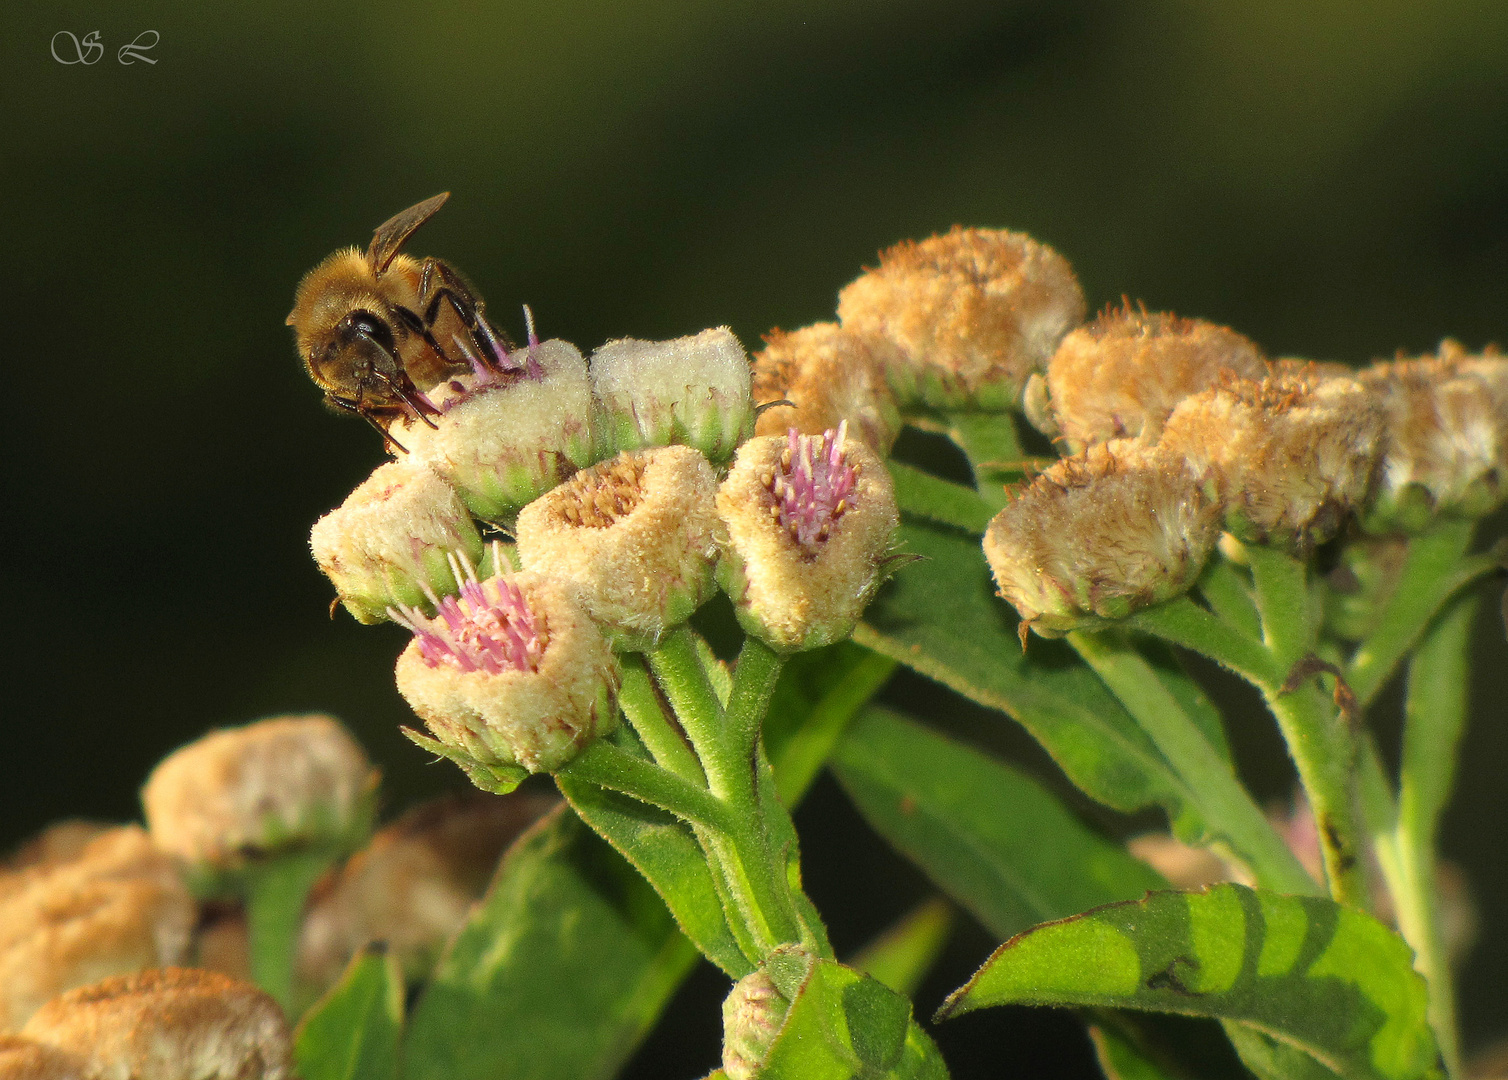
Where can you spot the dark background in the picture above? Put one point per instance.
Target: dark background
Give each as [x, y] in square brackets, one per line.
[1331, 178]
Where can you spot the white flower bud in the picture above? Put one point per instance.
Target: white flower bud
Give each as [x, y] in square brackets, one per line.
[27, 1059]
[247, 792]
[829, 375]
[810, 522]
[505, 438]
[511, 672]
[390, 542]
[689, 390]
[637, 536]
[963, 319]
[753, 1013]
[169, 1024]
[1100, 535]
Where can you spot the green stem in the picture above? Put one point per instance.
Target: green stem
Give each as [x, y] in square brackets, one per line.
[275, 893]
[1182, 622]
[994, 451]
[799, 757]
[1222, 801]
[678, 669]
[1434, 570]
[754, 678]
[641, 705]
[1228, 594]
[1281, 584]
[1434, 718]
[614, 768]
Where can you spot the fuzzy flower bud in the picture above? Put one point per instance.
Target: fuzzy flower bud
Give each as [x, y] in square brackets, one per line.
[810, 522]
[1290, 455]
[963, 319]
[1100, 535]
[118, 906]
[690, 390]
[1122, 374]
[1445, 447]
[637, 535]
[830, 375]
[504, 438]
[170, 1024]
[390, 541]
[752, 1016]
[510, 673]
[27, 1059]
[414, 884]
[242, 793]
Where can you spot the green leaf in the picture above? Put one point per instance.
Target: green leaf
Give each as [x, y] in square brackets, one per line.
[923, 495]
[901, 956]
[843, 1025]
[567, 931]
[666, 852]
[1119, 1058]
[941, 617]
[1309, 973]
[989, 836]
[352, 1032]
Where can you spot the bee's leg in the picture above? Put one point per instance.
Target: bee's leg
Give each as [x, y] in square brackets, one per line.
[493, 345]
[414, 324]
[350, 406]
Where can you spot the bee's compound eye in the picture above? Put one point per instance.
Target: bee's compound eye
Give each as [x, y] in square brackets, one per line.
[365, 324]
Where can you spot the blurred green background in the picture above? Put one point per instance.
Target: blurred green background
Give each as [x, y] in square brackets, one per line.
[1328, 177]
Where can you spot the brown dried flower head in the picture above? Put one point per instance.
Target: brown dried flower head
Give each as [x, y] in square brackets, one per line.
[243, 793]
[60, 842]
[1099, 535]
[964, 318]
[810, 522]
[637, 535]
[391, 540]
[830, 376]
[1291, 455]
[414, 884]
[512, 673]
[27, 1059]
[118, 906]
[504, 439]
[1445, 447]
[1121, 375]
[169, 1024]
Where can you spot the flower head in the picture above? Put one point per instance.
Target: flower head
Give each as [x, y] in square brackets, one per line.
[830, 376]
[1099, 535]
[810, 522]
[509, 673]
[963, 319]
[637, 535]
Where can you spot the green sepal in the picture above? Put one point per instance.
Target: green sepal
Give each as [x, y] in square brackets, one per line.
[497, 779]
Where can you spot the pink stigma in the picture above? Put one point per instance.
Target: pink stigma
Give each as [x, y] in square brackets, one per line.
[815, 485]
[487, 627]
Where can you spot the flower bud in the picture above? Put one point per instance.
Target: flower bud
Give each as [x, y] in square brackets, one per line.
[117, 907]
[829, 375]
[810, 522]
[414, 884]
[1445, 445]
[243, 793]
[510, 673]
[1099, 535]
[61, 842]
[1121, 375]
[689, 390]
[637, 536]
[390, 541]
[27, 1059]
[752, 1016]
[505, 438]
[963, 319]
[1290, 455]
[169, 1024]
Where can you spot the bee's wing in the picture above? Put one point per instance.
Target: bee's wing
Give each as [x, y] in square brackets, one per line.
[391, 234]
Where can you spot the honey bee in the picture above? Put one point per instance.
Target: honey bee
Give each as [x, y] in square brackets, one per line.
[376, 329]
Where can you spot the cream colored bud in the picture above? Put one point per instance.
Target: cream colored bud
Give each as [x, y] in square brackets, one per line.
[1184, 866]
[1292, 456]
[512, 672]
[118, 906]
[1445, 446]
[506, 438]
[247, 792]
[753, 1013]
[637, 536]
[390, 541]
[689, 390]
[27, 1059]
[170, 1024]
[963, 319]
[830, 375]
[1100, 535]
[414, 885]
[62, 841]
[810, 523]
[1121, 375]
